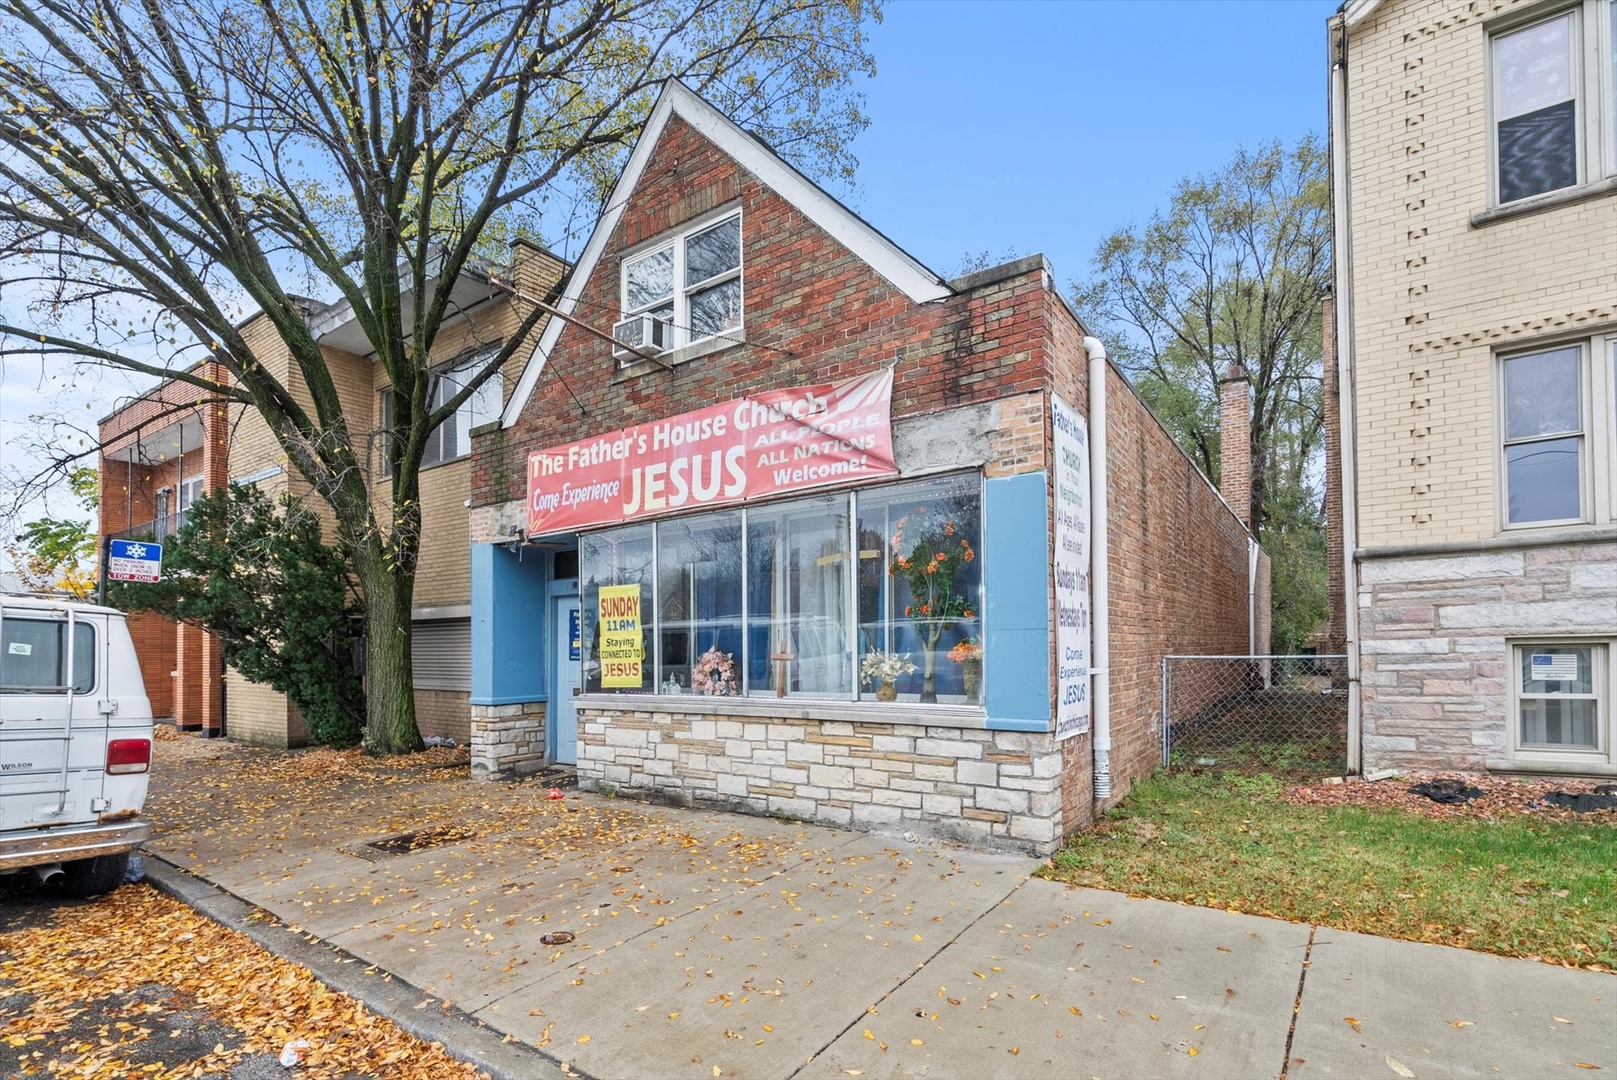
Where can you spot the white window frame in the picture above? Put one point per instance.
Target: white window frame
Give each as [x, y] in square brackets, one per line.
[189, 491]
[1597, 483]
[1596, 128]
[682, 292]
[1601, 680]
[466, 417]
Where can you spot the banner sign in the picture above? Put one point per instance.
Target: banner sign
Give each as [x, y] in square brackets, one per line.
[623, 651]
[132, 560]
[1072, 568]
[769, 443]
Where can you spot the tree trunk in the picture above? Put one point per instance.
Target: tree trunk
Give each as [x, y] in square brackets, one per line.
[390, 724]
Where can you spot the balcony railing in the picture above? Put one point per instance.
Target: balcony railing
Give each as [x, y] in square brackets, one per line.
[159, 529]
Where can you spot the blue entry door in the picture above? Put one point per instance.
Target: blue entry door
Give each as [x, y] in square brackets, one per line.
[562, 716]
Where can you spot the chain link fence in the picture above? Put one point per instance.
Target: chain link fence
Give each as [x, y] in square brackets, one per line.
[1278, 714]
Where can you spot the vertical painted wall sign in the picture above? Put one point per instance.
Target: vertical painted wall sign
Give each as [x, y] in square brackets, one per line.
[1072, 537]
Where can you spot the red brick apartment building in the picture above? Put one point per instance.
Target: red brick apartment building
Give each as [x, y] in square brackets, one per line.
[157, 455]
[734, 499]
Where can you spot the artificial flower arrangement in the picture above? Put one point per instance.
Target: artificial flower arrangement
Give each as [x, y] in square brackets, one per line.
[967, 651]
[930, 564]
[880, 667]
[715, 674]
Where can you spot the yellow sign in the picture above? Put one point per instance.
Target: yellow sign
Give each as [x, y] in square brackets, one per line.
[623, 652]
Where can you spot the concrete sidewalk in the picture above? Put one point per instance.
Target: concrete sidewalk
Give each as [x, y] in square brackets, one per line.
[711, 944]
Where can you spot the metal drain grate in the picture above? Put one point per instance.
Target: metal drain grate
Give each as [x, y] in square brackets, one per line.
[404, 843]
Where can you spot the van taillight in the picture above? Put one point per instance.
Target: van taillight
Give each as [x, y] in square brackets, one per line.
[129, 755]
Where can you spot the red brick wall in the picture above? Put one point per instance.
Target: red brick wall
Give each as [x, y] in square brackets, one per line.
[1178, 574]
[814, 312]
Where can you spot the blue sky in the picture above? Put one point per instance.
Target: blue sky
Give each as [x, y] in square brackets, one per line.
[1044, 127]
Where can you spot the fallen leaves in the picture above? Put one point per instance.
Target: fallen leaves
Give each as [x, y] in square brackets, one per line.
[1501, 795]
[136, 937]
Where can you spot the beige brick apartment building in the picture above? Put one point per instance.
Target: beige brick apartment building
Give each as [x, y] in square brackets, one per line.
[162, 450]
[1474, 150]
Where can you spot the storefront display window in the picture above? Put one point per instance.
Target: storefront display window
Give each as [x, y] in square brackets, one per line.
[798, 590]
[698, 595]
[872, 595]
[920, 583]
[620, 563]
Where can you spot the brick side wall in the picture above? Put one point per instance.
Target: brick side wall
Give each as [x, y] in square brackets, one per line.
[257, 714]
[1178, 575]
[444, 712]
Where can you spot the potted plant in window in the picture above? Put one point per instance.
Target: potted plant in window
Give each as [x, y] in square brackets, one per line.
[930, 559]
[969, 655]
[885, 669]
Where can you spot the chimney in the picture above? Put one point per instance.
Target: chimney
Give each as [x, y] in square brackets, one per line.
[1235, 442]
[1336, 591]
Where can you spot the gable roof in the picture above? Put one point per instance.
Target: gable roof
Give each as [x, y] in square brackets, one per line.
[883, 256]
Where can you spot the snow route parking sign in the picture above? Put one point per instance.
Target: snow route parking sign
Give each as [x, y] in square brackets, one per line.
[135, 560]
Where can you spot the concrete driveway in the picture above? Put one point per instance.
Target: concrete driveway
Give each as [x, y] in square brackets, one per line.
[716, 945]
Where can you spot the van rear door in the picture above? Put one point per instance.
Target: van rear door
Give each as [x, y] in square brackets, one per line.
[53, 738]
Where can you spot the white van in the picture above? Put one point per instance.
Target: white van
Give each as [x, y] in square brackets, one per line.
[75, 743]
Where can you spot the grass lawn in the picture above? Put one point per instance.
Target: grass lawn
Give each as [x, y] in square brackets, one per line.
[1515, 885]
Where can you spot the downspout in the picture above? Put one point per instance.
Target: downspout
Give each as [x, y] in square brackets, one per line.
[1100, 659]
[1252, 550]
[1342, 253]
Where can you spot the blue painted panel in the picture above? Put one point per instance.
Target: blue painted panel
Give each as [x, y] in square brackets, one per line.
[508, 626]
[1016, 564]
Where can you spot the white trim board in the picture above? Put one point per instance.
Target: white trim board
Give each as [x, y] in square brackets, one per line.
[847, 228]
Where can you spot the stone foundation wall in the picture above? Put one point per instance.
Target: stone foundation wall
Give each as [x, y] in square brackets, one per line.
[990, 788]
[1435, 654]
[508, 741]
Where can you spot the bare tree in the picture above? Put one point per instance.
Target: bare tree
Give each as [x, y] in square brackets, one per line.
[1231, 273]
[172, 165]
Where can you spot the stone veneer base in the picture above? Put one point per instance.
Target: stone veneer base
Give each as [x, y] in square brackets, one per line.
[1435, 644]
[508, 741]
[987, 788]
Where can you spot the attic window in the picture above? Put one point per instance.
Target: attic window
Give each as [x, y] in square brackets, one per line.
[684, 292]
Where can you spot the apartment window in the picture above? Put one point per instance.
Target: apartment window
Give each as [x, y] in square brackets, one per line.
[1552, 102]
[1561, 700]
[690, 284]
[453, 438]
[1545, 444]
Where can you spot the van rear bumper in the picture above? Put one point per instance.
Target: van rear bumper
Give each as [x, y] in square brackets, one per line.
[19, 851]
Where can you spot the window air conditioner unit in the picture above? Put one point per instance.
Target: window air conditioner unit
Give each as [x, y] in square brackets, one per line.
[641, 334]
